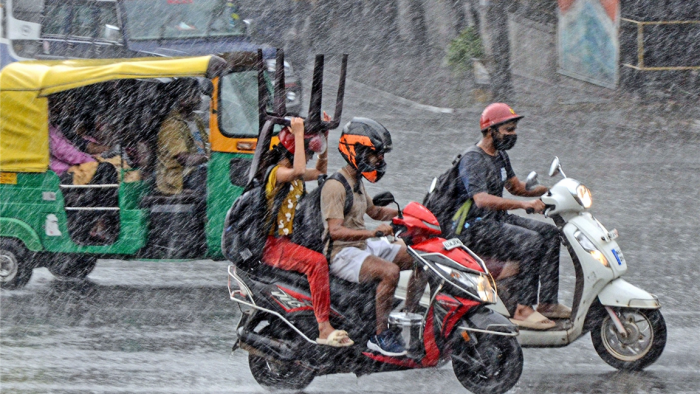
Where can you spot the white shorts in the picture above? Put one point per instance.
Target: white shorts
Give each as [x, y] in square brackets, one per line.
[347, 263]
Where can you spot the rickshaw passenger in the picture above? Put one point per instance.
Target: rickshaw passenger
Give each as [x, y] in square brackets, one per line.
[182, 151]
[64, 154]
[67, 161]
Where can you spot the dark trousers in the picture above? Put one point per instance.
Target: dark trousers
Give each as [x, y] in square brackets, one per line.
[535, 245]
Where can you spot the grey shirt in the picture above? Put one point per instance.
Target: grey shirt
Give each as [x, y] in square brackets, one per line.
[483, 173]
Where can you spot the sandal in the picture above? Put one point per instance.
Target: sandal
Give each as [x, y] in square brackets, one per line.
[535, 322]
[554, 311]
[337, 338]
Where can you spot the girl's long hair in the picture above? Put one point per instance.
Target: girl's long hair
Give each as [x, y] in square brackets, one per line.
[271, 158]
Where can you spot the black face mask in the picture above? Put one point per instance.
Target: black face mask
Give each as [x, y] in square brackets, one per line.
[507, 141]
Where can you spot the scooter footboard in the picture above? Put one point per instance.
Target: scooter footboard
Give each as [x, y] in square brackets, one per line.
[620, 293]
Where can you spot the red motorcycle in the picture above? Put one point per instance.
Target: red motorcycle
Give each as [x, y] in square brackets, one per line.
[277, 324]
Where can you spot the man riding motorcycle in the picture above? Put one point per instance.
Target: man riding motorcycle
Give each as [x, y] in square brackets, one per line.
[491, 231]
[356, 254]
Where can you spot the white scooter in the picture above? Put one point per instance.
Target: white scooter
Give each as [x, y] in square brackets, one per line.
[627, 328]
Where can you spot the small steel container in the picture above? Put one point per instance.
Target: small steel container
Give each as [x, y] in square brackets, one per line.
[408, 324]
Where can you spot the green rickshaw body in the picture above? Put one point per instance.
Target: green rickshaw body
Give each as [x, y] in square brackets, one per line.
[34, 227]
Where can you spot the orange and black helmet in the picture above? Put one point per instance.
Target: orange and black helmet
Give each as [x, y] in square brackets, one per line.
[360, 138]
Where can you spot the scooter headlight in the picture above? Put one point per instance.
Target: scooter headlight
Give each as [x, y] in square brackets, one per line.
[480, 284]
[583, 196]
[589, 247]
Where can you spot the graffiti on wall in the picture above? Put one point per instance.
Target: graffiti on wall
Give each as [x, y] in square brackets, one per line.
[588, 44]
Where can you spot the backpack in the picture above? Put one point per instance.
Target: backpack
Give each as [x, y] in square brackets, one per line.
[443, 197]
[248, 224]
[308, 219]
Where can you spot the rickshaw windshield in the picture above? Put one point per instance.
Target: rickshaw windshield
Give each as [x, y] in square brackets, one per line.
[148, 19]
[239, 104]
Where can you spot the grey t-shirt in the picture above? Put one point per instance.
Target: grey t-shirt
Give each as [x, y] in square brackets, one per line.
[483, 173]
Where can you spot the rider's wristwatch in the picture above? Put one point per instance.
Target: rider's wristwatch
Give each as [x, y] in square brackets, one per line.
[379, 234]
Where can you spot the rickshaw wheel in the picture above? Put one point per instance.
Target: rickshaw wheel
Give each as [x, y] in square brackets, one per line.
[15, 267]
[72, 267]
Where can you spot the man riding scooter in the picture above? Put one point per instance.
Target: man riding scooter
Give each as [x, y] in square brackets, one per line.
[356, 253]
[489, 230]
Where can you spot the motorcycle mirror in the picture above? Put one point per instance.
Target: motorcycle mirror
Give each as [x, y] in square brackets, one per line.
[383, 199]
[555, 167]
[433, 184]
[531, 181]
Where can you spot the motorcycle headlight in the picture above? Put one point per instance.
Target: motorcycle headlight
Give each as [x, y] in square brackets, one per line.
[583, 196]
[476, 283]
[588, 246]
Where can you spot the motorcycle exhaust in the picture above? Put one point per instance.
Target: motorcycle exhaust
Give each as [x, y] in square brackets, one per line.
[266, 347]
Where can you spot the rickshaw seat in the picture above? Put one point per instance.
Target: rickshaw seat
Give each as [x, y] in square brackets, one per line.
[161, 199]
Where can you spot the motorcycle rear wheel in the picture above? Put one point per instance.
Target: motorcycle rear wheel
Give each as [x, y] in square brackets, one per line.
[285, 376]
[643, 344]
[281, 375]
[493, 365]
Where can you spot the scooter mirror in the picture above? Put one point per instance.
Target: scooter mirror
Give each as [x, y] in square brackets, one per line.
[555, 167]
[531, 181]
[383, 199]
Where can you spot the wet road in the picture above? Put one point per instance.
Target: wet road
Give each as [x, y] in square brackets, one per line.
[138, 327]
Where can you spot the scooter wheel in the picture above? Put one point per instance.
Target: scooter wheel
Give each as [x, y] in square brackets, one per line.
[642, 344]
[493, 365]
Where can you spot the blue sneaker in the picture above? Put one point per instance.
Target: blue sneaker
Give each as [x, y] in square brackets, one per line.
[387, 343]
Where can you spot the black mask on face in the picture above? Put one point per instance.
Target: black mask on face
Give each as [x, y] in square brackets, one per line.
[507, 141]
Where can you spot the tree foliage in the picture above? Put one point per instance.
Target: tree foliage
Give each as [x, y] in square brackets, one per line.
[463, 48]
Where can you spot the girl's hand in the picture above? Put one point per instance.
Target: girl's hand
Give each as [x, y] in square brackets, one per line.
[326, 118]
[297, 126]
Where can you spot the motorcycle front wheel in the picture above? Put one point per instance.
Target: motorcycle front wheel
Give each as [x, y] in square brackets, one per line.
[641, 345]
[493, 365]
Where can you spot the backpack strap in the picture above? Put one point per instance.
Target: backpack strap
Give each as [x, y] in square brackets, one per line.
[349, 200]
[461, 216]
[348, 192]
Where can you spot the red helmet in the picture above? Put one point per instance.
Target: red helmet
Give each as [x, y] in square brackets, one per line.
[312, 142]
[496, 114]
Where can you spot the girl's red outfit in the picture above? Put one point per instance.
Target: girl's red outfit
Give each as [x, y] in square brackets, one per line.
[281, 252]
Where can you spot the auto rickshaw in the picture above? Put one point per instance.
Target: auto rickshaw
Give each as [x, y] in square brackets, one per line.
[38, 218]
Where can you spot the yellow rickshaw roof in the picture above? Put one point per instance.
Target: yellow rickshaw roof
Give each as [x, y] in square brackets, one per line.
[24, 86]
[48, 77]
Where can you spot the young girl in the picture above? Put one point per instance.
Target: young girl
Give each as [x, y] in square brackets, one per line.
[289, 158]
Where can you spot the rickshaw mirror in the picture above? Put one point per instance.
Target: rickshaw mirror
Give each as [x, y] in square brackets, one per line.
[112, 33]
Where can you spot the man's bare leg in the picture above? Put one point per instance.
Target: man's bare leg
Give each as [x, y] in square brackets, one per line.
[387, 273]
[416, 283]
